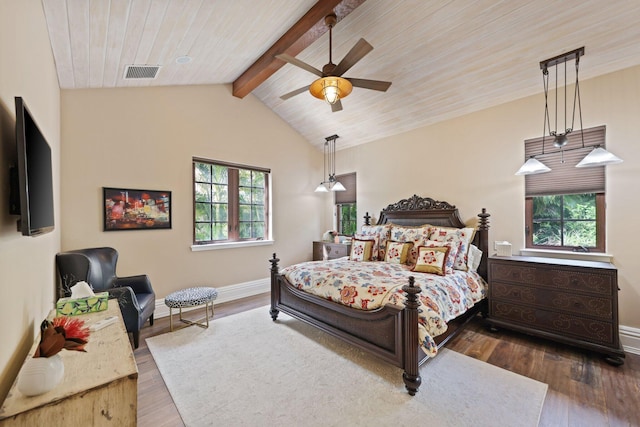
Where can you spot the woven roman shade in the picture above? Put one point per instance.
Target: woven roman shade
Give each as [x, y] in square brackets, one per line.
[349, 182]
[564, 177]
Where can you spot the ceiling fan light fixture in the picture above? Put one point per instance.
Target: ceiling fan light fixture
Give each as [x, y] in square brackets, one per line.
[331, 88]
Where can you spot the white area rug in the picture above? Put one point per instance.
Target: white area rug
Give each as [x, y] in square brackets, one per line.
[246, 370]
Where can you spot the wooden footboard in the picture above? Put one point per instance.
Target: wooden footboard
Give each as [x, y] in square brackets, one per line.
[384, 332]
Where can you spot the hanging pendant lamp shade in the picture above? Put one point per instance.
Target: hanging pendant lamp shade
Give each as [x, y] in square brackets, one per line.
[532, 167]
[337, 186]
[322, 188]
[599, 157]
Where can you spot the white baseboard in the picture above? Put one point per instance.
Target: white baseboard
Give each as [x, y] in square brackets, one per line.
[225, 294]
[630, 339]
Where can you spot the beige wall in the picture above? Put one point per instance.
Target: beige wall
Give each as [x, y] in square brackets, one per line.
[27, 273]
[470, 162]
[145, 138]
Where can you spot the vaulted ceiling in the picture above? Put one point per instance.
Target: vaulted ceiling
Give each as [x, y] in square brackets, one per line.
[445, 58]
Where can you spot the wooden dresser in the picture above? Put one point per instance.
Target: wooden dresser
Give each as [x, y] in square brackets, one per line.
[99, 388]
[572, 302]
[328, 250]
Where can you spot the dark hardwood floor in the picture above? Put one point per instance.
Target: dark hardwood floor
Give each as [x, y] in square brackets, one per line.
[583, 389]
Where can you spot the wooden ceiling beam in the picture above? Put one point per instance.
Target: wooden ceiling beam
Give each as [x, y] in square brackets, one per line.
[301, 35]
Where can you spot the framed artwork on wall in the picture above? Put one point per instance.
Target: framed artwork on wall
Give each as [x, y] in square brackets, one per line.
[127, 209]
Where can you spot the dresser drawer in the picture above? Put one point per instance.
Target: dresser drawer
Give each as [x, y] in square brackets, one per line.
[592, 330]
[585, 305]
[553, 277]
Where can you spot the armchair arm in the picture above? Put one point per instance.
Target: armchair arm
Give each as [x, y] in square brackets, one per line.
[139, 284]
[129, 306]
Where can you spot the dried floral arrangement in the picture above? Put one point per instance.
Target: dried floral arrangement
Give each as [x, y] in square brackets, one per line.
[62, 332]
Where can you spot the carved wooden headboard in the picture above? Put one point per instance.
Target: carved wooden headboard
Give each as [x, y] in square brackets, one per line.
[417, 210]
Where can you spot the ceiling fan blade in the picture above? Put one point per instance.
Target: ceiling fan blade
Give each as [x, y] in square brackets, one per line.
[293, 61]
[356, 53]
[294, 93]
[370, 84]
[337, 106]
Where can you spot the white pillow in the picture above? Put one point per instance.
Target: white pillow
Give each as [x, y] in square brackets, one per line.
[474, 258]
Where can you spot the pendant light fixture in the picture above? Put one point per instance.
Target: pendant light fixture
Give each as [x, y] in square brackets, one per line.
[331, 184]
[598, 156]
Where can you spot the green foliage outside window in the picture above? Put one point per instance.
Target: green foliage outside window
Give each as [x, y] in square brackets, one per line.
[216, 217]
[347, 219]
[565, 220]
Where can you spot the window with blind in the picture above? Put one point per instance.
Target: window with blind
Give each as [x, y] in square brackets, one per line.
[564, 208]
[230, 202]
[345, 201]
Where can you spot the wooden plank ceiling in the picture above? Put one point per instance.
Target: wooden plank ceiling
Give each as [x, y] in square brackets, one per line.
[445, 58]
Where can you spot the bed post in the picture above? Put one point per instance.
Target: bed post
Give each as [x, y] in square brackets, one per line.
[411, 375]
[275, 293]
[483, 243]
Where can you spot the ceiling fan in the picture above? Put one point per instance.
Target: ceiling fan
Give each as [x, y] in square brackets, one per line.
[331, 86]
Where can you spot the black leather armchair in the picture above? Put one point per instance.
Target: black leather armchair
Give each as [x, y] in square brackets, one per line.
[97, 267]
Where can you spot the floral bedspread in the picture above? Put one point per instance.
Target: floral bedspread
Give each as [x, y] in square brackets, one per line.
[370, 285]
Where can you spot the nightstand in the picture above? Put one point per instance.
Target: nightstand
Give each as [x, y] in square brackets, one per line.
[328, 250]
[569, 301]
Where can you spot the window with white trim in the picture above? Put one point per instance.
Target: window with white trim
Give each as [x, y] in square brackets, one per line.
[230, 202]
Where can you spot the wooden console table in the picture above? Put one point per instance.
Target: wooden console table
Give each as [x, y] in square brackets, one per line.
[100, 387]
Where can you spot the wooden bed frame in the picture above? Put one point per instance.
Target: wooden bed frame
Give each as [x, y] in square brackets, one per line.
[389, 332]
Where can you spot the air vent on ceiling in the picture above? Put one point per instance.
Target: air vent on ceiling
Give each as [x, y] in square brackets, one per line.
[141, 71]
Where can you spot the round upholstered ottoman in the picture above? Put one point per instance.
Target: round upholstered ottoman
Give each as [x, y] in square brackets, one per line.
[191, 297]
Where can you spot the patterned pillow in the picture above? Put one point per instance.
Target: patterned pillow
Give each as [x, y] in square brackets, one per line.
[375, 247]
[463, 236]
[415, 235]
[451, 255]
[431, 260]
[397, 252]
[361, 250]
[382, 232]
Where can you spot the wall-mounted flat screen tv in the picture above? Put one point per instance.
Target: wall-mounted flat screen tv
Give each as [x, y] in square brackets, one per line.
[34, 181]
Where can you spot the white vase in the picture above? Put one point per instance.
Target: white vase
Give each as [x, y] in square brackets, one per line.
[40, 375]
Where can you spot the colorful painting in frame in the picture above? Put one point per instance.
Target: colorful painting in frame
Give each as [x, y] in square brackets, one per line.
[127, 209]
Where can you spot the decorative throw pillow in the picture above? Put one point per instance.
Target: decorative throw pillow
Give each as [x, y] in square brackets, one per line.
[361, 250]
[475, 256]
[451, 255]
[463, 236]
[431, 260]
[382, 233]
[375, 244]
[416, 235]
[397, 252]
